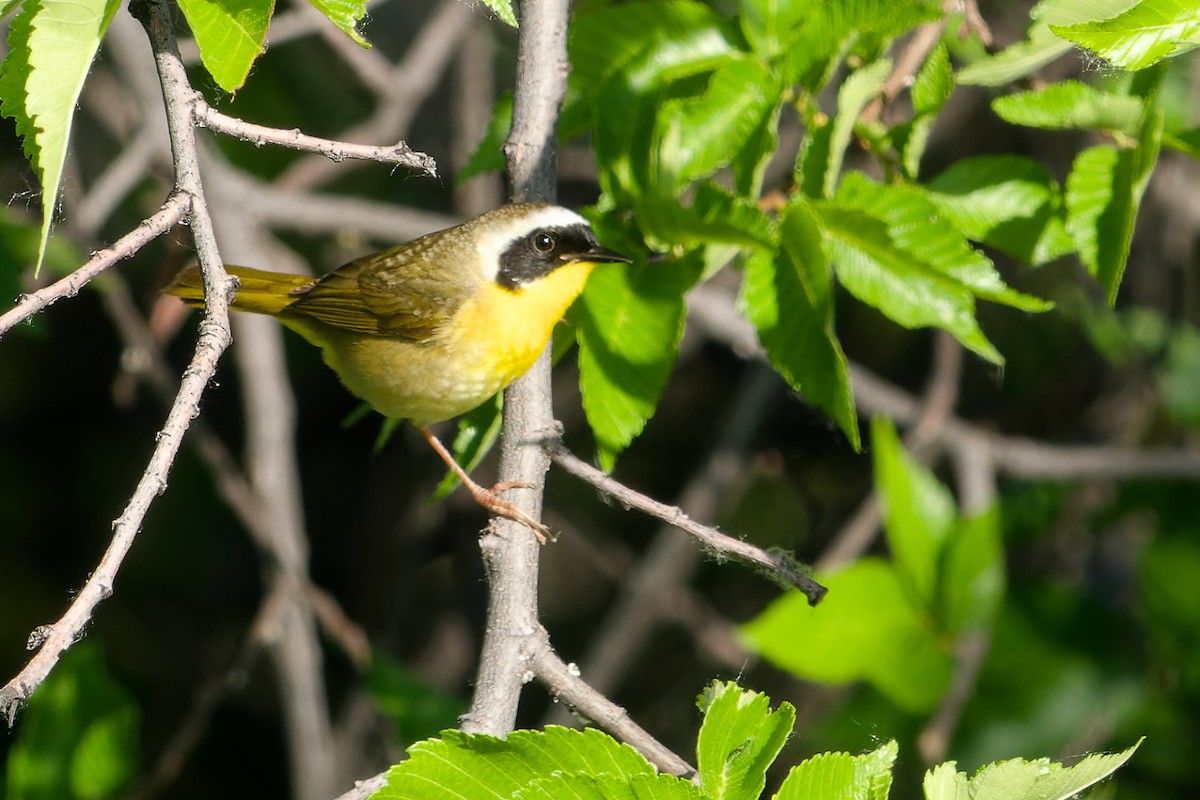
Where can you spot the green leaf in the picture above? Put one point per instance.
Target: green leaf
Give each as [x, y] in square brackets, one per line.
[715, 217]
[1039, 48]
[865, 629]
[971, 582]
[504, 10]
[918, 512]
[841, 776]
[787, 295]
[629, 321]
[739, 739]
[479, 767]
[1179, 376]
[1041, 779]
[78, 737]
[701, 134]
[478, 431]
[346, 15]
[767, 24]
[580, 786]
[231, 34]
[1008, 202]
[892, 250]
[648, 42]
[416, 709]
[821, 161]
[1041, 45]
[1104, 193]
[934, 82]
[489, 153]
[1072, 105]
[1142, 36]
[51, 44]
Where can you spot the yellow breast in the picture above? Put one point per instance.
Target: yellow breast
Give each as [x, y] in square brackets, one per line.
[493, 339]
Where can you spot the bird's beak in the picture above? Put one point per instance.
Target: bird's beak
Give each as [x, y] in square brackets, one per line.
[598, 255]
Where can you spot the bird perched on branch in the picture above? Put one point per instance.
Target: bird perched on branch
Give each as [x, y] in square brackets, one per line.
[430, 329]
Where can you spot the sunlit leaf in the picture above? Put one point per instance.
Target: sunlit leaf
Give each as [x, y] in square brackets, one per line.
[230, 34]
[345, 14]
[700, 134]
[1071, 104]
[1040, 779]
[1142, 36]
[1009, 202]
[740, 737]
[787, 295]
[478, 767]
[841, 776]
[51, 44]
[629, 321]
[865, 629]
[503, 9]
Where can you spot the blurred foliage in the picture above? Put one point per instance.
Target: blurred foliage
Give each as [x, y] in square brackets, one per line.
[729, 133]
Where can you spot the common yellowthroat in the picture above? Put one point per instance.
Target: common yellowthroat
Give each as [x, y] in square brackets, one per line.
[430, 329]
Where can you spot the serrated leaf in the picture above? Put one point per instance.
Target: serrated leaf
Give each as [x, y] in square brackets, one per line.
[739, 738]
[918, 513]
[231, 35]
[1104, 193]
[346, 15]
[768, 23]
[864, 629]
[503, 9]
[841, 776]
[51, 47]
[821, 162]
[1142, 36]
[907, 290]
[581, 786]
[701, 134]
[667, 38]
[1041, 779]
[479, 767]
[1039, 48]
[817, 47]
[892, 250]
[1041, 45]
[715, 217]
[478, 431]
[629, 321]
[1008, 202]
[1072, 105]
[787, 295]
[934, 82]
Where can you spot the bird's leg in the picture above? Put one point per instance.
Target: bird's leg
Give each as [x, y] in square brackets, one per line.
[488, 498]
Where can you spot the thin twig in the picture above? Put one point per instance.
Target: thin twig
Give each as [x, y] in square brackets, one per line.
[775, 565]
[410, 82]
[399, 154]
[650, 590]
[510, 552]
[171, 213]
[564, 683]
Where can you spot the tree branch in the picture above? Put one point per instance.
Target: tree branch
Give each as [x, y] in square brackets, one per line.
[399, 154]
[173, 211]
[510, 552]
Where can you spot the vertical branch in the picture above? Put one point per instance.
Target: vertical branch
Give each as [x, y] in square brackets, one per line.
[510, 552]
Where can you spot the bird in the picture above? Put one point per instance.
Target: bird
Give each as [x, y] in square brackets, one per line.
[429, 329]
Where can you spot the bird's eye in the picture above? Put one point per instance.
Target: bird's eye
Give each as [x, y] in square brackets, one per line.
[544, 242]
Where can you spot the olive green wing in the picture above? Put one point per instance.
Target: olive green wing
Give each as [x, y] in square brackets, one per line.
[399, 292]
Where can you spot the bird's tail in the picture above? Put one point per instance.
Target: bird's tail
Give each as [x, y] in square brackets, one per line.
[258, 291]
